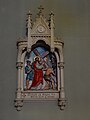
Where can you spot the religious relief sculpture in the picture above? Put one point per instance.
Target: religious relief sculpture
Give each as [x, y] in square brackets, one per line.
[40, 64]
[40, 70]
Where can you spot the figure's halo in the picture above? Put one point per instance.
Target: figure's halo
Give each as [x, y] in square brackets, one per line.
[36, 57]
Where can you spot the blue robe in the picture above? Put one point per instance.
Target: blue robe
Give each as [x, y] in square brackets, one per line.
[29, 72]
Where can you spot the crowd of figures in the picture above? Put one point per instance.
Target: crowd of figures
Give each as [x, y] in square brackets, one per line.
[40, 71]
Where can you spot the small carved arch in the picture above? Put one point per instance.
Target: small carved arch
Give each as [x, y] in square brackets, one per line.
[42, 44]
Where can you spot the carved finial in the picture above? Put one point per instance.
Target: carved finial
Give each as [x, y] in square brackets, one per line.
[40, 10]
[52, 30]
[51, 14]
[28, 32]
[29, 13]
[28, 20]
[52, 19]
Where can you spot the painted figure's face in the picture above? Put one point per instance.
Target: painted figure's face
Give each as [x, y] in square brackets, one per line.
[37, 59]
[28, 62]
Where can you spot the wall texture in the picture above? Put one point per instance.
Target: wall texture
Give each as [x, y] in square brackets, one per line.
[72, 21]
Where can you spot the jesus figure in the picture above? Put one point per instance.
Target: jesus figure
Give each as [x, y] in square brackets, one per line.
[38, 73]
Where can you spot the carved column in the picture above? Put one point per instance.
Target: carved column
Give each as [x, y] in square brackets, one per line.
[61, 101]
[19, 48]
[19, 66]
[18, 100]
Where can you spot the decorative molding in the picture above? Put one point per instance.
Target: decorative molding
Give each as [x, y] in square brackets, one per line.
[19, 64]
[61, 64]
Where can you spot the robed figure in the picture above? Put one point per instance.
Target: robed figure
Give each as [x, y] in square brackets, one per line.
[38, 72]
[29, 74]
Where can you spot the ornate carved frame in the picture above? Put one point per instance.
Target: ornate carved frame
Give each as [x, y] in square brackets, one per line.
[24, 45]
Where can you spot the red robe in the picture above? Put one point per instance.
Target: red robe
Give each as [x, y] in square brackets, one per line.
[38, 76]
